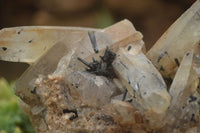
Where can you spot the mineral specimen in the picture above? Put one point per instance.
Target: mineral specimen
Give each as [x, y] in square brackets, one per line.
[102, 80]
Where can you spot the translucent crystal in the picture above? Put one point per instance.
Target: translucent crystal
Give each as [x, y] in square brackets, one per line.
[25, 87]
[169, 50]
[28, 44]
[184, 85]
[94, 91]
[142, 80]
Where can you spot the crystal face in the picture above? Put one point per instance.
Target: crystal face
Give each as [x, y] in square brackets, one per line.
[102, 80]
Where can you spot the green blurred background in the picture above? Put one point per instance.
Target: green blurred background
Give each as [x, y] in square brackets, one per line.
[12, 119]
[150, 17]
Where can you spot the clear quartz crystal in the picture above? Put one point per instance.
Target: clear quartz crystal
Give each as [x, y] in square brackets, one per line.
[169, 50]
[94, 91]
[29, 43]
[183, 87]
[142, 80]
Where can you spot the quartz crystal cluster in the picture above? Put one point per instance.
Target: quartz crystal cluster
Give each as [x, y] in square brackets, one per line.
[103, 80]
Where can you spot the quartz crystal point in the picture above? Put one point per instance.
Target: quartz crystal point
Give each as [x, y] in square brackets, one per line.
[186, 80]
[169, 50]
[29, 43]
[182, 89]
[141, 78]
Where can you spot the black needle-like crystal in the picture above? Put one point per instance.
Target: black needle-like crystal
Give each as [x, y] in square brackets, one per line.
[93, 41]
